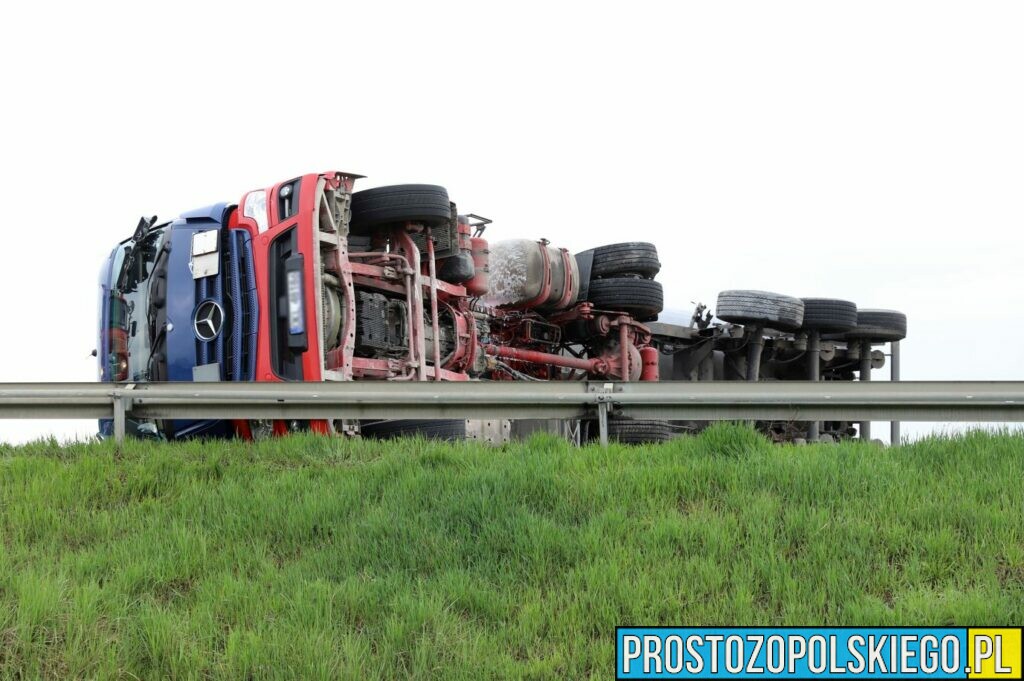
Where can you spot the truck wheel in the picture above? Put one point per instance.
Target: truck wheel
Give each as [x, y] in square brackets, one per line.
[395, 204]
[633, 257]
[829, 314]
[359, 244]
[437, 429]
[639, 431]
[632, 431]
[878, 326]
[642, 298]
[773, 310]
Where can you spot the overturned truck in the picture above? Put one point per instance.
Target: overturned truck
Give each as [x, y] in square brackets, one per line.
[309, 280]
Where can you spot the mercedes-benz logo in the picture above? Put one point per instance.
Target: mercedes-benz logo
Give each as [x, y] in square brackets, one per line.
[208, 320]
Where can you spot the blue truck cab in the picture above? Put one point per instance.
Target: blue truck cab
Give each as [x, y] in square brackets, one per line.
[178, 303]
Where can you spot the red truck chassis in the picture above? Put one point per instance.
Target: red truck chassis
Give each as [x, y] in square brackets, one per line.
[452, 332]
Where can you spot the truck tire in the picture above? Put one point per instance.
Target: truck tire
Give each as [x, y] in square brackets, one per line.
[431, 429]
[359, 244]
[829, 314]
[642, 298]
[773, 310]
[632, 431]
[630, 258]
[395, 204]
[878, 326]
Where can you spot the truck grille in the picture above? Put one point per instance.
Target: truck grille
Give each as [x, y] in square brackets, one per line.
[208, 352]
[242, 307]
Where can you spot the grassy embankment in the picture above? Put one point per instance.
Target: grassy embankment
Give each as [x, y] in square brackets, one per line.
[316, 558]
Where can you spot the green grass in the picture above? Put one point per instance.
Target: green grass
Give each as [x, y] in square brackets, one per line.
[314, 558]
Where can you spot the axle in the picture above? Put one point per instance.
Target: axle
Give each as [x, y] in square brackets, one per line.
[595, 365]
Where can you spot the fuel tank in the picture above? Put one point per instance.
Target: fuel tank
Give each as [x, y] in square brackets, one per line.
[527, 274]
[481, 253]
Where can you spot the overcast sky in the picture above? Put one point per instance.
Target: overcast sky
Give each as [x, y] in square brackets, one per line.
[871, 150]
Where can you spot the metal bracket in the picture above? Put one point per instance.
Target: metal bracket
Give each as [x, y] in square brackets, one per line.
[603, 394]
[480, 225]
[489, 431]
[604, 390]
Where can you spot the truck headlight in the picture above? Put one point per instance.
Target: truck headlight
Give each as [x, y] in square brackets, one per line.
[296, 318]
[255, 207]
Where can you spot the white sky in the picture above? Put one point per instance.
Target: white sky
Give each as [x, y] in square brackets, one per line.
[872, 150]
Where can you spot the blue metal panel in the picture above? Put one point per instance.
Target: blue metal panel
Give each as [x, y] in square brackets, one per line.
[103, 338]
[214, 213]
[106, 426]
[184, 350]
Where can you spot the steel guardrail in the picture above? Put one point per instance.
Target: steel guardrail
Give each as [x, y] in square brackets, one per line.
[936, 401]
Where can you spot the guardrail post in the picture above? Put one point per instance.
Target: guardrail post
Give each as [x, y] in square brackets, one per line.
[813, 374]
[865, 375]
[122, 405]
[602, 422]
[894, 368]
[120, 411]
[604, 403]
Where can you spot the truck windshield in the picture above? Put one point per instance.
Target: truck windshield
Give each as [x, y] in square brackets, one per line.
[128, 301]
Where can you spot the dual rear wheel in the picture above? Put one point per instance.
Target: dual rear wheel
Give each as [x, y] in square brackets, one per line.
[620, 278]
